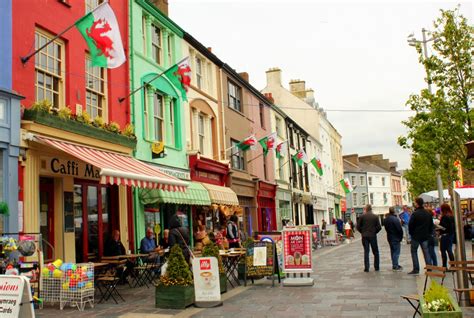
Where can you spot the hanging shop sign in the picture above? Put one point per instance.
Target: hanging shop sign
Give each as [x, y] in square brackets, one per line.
[207, 289]
[69, 167]
[158, 149]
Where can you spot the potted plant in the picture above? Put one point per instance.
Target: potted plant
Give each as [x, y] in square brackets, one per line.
[211, 250]
[437, 302]
[175, 288]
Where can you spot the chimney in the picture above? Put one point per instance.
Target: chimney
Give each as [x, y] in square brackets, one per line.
[244, 75]
[269, 97]
[161, 5]
[274, 76]
[354, 159]
[209, 49]
[298, 88]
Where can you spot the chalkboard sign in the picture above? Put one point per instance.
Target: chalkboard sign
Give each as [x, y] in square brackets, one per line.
[68, 211]
[260, 259]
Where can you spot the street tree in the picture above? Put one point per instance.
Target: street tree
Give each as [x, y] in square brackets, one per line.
[442, 120]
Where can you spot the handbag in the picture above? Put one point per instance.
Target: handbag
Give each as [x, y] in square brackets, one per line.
[191, 255]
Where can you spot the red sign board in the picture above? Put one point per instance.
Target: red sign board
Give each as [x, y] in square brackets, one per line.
[297, 249]
[343, 205]
[204, 264]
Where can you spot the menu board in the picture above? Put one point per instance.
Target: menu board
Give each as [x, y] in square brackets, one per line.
[260, 259]
[206, 279]
[297, 249]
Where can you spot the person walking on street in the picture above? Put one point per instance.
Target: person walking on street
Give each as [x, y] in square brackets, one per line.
[447, 233]
[433, 241]
[369, 225]
[347, 229]
[393, 227]
[420, 228]
[405, 219]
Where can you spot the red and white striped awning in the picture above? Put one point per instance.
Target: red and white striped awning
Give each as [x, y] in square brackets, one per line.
[116, 168]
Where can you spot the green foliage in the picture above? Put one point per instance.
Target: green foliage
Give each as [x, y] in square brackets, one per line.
[437, 298]
[4, 209]
[247, 242]
[99, 122]
[212, 250]
[442, 122]
[129, 131]
[84, 117]
[65, 113]
[113, 127]
[42, 106]
[177, 272]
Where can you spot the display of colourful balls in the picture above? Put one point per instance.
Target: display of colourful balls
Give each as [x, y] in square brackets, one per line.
[90, 275]
[66, 286]
[45, 272]
[51, 267]
[63, 267]
[89, 285]
[81, 285]
[73, 267]
[57, 273]
[57, 263]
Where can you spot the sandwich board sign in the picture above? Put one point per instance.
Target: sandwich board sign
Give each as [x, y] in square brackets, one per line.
[207, 289]
[297, 255]
[15, 297]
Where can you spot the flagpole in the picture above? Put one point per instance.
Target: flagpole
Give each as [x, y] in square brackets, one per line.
[121, 99]
[249, 161]
[25, 59]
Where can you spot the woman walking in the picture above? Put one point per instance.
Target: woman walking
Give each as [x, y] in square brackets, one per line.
[447, 233]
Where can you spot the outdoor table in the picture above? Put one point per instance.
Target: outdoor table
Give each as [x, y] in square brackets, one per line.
[230, 261]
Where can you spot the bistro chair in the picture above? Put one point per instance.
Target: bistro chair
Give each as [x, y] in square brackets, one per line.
[431, 272]
[459, 266]
[107, 284]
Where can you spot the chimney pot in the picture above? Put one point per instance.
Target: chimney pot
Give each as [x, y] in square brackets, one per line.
[244, 75]
[161, 5]
[274, 76]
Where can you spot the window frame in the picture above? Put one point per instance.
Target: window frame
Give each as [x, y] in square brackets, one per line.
[144, 35]
[383, 181]
[199, 74]
[156, 47]
[362, 180]
[370, 181]
[88, 5]
[235, 102]
[353, 180]
[172, 117]
[261, 113]
[59, 75]
[158, 118]
[371, 198]
[237, 156]
[102, 96]
[201, 135]
[170, 49]
[4, 112]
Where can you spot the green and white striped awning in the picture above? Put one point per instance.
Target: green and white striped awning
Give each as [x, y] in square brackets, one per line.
[195, 194]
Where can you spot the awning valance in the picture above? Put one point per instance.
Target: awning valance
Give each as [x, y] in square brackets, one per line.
[195, 194]
[116, 168]
[221, 195]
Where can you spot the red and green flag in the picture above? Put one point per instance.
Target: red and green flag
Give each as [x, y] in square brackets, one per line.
[300, 157]
[346, 185]
[101, 32]
[317, 165]
[247, 143]
[281, 149]
[268, 143]
[180, 76]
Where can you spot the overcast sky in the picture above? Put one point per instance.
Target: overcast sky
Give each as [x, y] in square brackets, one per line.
[353, 54]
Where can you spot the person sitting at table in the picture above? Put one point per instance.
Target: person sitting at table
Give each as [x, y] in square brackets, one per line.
[113, 246]
[148, 243]
[164, 243]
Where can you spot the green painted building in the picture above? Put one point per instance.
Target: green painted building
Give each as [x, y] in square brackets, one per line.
[157, 112]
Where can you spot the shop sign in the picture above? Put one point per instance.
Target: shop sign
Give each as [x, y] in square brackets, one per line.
[206, 279]
[297, 249]
[70, 167]
[343, 205]
[15, 297]
[157, 149]
[208, 175]
[180, 174]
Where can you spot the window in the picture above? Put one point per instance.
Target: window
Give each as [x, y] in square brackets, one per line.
[237, 156]
[156, 44]
[385, 198]
[306, 178]
[158, 120]
[146, 113]
[1, 186]
[354, 199]
[201, 132]
[199, 72]
[363, 199]
[95, 90]
[353, 180]
[292, 142]
[265, 176]
[281, 172]
[371, 198]
[171, 121]
[234, 97]
[370, 181]
[170, 49]
[383, 181]
[144, 32]
[294, 174]
[278, 126]
[3, 110]
[92, 4]
[49, 64]
[262, 119]
[362, 180]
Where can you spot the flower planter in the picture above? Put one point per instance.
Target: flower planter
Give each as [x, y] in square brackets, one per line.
[174, 297]
[457, 313]
[223, 283]
[77, 127]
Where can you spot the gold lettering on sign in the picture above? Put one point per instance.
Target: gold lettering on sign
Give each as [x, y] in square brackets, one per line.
[70, 167]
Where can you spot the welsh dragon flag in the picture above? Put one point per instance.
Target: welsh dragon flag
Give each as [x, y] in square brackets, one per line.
[101, 32]
[317, 165]
[247, 143]
[281, 149]
[180, 76]
[346, 185]
[268, 143]
[300, 157]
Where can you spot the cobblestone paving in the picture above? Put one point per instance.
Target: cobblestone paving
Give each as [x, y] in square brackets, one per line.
[341, 289]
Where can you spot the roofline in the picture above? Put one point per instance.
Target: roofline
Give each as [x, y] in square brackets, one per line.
[202, 49]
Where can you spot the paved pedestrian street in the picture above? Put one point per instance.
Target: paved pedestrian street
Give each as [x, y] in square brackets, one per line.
[341, 289]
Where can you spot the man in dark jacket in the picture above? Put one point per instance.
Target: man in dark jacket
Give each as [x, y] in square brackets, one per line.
[369, 226]
[394, 230]
[420, 229]
[179, 235]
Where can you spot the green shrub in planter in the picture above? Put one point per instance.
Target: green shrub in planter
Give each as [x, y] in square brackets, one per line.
[437, 302]
[175, 289]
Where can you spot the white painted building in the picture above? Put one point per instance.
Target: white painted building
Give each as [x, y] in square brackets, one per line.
[378, 187]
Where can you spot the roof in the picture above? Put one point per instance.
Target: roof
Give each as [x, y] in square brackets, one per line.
[368, 167]
[350, 167]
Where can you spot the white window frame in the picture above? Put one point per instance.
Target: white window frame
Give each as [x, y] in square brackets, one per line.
[171, 108]
[238, 157]
[157, 119]
[234, 96]
[100, 92]
[156, 48]
[370, 181]
[199, 72]
[201, 134]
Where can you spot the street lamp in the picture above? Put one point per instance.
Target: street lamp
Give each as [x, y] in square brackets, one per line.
[412, 41]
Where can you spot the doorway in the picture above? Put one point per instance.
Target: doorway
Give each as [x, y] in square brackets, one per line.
[46, 217]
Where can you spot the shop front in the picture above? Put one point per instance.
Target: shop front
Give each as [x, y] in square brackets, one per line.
[331, 211]
[266, 195]
[320, 206]
[303, 208]
[9, 154]
[77, 190]
[246, 194]
[283, 207]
